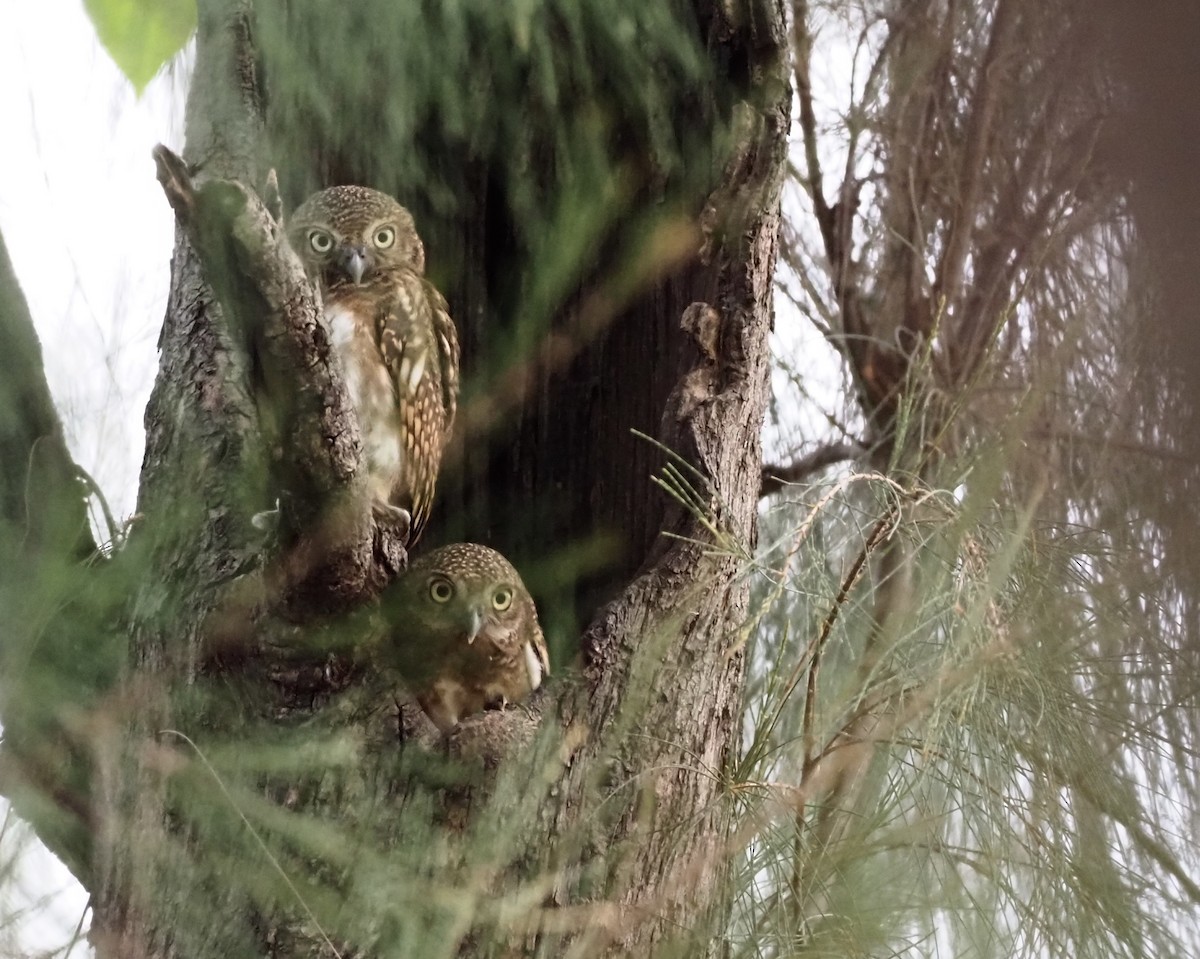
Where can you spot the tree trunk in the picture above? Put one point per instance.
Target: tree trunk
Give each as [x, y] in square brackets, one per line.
[594, 822]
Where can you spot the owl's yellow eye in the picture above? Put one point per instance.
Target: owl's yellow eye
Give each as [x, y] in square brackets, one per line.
[320, 241]
[384, 237]
[502, 599]
[441, 590]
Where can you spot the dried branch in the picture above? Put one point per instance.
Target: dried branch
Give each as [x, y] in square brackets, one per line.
[802, 74]
[776, 476]
[979, 137]
[878, 367]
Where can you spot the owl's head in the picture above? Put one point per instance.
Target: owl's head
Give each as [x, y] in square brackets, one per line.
[460, 592]
[347, 234]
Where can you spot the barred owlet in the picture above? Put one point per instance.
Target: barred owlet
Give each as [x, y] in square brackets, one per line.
[463, 631]
[396, 341]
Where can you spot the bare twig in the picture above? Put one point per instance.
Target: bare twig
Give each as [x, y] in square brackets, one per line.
[775, 476]
[979, 136]
[802, 42]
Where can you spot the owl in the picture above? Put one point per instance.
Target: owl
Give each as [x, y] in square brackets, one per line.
[392, 333]
[463, 632]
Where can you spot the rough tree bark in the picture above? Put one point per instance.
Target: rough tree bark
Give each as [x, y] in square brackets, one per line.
[230, 631]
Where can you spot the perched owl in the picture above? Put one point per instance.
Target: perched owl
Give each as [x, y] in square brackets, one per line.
[396, 342]
[464, 633]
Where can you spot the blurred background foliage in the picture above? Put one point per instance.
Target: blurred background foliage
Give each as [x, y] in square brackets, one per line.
[993, 701]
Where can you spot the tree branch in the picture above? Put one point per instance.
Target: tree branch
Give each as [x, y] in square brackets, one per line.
[327, 523]
[45, 541]
[801, 57]
[775, 476]
[42, 503]
[979, 135]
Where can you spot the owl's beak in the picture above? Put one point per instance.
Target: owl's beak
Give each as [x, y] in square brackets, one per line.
[354, 262]
[474, 624]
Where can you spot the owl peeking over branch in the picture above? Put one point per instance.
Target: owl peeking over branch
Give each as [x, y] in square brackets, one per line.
[463, 633]
[393, 336]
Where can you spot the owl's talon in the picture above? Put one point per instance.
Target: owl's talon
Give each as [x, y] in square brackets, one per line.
[395, 518]
[271, 197]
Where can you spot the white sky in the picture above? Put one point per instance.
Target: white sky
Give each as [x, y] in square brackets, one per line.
[87, 227]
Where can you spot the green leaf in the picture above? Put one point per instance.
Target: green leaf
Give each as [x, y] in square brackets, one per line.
[142, 35]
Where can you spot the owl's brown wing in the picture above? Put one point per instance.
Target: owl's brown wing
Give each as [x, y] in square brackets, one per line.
[419, 347]
[521, 647]
[446, 339]
[538, 642]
